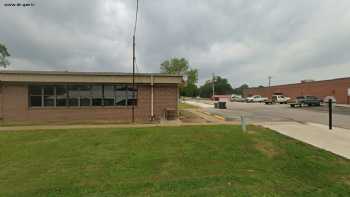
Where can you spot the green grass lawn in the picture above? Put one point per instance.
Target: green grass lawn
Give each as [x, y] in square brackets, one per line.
[167, 161]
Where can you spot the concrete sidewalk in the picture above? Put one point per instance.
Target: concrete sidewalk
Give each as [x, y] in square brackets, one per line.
[336, 141]
[199, 104]
[87, 126]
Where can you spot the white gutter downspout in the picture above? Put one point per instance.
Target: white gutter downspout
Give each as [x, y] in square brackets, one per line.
[152, 99]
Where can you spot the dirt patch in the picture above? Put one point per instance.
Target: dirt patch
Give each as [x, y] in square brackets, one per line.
[251, 132]
[346, 179]
[187, 116]
[267, 149]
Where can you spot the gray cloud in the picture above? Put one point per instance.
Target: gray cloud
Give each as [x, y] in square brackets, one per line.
[244, 41]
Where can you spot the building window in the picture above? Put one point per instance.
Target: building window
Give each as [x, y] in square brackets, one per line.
[35, 96]
[85, 95]
[35, 90]
[108, 95]
[49, 96]
[120, 95]
[61, 96]
[132, 95]
[73, 95]
[97, 96]
[81, 95]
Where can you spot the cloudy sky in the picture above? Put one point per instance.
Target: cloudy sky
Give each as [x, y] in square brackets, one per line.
[244, 41]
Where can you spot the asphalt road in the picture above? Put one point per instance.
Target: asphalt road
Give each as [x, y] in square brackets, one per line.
[257, 112]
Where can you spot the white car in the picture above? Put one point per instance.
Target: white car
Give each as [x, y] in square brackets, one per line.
[280, 99]
[235, 97]
[257, 99]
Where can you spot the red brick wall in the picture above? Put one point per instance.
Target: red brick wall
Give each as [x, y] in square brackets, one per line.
[14, 106]
[337, 88]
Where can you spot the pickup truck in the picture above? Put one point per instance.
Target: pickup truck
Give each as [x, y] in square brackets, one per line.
[306, 101]
[278, 99]
[256, 98]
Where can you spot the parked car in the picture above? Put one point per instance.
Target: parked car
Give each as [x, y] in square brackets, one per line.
[306, 101]
[278, 99]
[256, 99]
[237, 98]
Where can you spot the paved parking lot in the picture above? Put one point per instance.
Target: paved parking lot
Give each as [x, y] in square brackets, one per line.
[258, 112]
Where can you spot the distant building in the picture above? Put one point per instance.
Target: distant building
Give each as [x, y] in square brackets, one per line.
[307, 80]
[225, 98]
[339, 88]
[40, 96]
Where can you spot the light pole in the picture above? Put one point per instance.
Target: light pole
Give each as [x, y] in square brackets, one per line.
[213, 85]
[270, 81]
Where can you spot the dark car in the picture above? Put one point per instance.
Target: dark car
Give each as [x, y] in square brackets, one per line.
[306, 101]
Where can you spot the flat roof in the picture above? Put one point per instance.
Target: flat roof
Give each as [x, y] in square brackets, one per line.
[307, 82]
[86, 77]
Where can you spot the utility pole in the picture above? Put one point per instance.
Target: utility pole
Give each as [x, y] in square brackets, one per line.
[270, 81]
[133, 64]
[213, 85]
[133, 78]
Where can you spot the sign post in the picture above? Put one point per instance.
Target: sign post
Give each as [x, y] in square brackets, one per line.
[243, 124]
[330, 102]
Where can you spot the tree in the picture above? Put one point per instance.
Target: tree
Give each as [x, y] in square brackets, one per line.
[192, 76]
[190, 90]
[180, 66]
[222, 86]
[240, 89]
[3, 56]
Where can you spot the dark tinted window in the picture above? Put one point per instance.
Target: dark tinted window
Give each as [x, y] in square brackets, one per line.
[120, 95]
[61, 90]
[132, 95]
[61, 102]
[49, 95]
[82, 95]
[73, 95]
[35, 90]
[35, 96]
[49, 101]
[311, 97]
[61, 95]
[96, 93]
[108, 95]
[49, 90]
[85, 95]
[35, 101]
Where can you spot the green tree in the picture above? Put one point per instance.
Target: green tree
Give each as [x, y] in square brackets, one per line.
[180, 66]
[190, 90]
[192, 76]
[222, 86]
[3, 56]
[240, 89]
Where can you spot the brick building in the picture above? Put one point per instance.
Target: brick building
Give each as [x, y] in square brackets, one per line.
[339, 88]
[38, 96]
